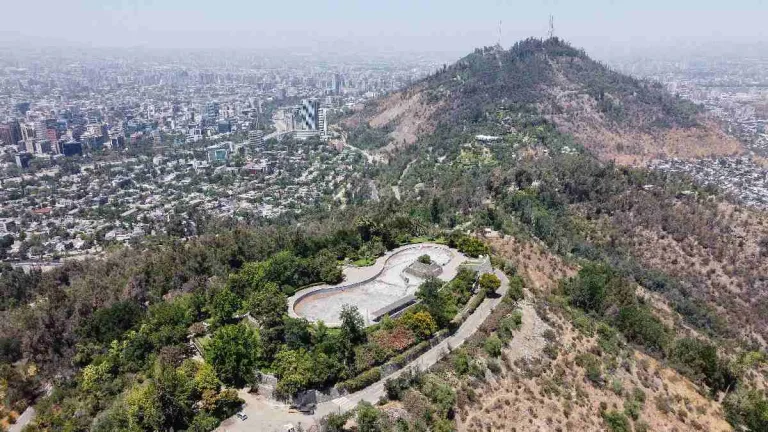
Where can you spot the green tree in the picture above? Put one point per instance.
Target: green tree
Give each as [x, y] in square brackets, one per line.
[352, 325]
[223, 306]
[143, 409]
[699, 361]
[746, 408]
[515, 292]
[493, 345]
[368, 418]
[294, 370]
[297, 333]
[233, 351]
[420, 323]
[489, 283]
[174, 393]
[437, 303]
[640, 326]
[268, 305]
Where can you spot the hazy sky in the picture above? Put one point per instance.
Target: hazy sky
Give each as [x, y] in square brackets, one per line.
[381, 25]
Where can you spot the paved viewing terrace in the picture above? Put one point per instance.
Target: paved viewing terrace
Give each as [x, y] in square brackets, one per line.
[374, 287]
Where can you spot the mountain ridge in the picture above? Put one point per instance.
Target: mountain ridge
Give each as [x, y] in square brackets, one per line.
[615, 116]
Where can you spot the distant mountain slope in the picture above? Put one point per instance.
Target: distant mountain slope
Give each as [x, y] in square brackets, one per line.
[615, 116]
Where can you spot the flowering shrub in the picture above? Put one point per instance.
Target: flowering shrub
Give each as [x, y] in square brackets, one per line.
[396, 339]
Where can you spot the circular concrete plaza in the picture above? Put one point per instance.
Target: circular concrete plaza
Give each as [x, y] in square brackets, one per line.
[374, 287]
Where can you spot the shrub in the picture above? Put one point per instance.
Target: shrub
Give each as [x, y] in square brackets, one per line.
[361, 381]
[515, 292]
[747, 409]
[640, 326]
[551, 350]
[461, 362]
[489, 283]
[493, 345]
[592, 367]
[616, 421]
[369, 355]
[699, 361]
[439, 393]
[396, 387]
[420, 323]
[398, 338]
[368, 417]
[424, 259]
[494, 366]
[509, 324]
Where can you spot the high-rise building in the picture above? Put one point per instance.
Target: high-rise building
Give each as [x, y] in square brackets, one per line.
[73, 148]
[309, 113]
[322, 124]
[5, 134]
[40, 129]
[256, 138]
[22, 159]
[336, 83]
[212, 110]
[53, 137]
[224, 126]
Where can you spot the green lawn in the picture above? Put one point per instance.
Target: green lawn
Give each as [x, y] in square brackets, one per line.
[364, 262]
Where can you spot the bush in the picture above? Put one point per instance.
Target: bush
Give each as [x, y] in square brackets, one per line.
[640, 326]
[395, 388]
[493, 345]
[616, 421]
[368, 417]
[494, 366]
[361, 381]
[424, 259]
[516, 286]
[489, 283]
[420, 323]
[469, 246]
[509, 324]
[747, 409]
[461, 362]
[592, 367]
[397, 338]
[698, 360]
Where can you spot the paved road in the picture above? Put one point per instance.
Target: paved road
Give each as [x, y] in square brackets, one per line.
[266, 416]
[374, 392]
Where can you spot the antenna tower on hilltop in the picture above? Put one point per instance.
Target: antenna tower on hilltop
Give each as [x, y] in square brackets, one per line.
[551, 27]
[499, 41]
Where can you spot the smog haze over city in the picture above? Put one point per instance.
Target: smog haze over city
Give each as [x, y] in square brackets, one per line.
[383, 216]
[368, 27]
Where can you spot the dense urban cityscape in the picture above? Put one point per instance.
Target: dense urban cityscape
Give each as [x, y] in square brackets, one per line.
[734, 89]
[98, 149]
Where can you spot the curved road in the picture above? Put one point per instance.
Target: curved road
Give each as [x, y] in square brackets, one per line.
[267, 416]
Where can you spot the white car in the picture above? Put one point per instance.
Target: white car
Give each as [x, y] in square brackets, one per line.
[241, 416]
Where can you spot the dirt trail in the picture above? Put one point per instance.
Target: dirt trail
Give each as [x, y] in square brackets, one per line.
[529, 341]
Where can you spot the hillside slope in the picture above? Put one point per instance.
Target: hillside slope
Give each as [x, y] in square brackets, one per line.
[614, 116]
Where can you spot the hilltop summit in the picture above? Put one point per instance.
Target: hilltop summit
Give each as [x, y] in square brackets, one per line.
[615, 116]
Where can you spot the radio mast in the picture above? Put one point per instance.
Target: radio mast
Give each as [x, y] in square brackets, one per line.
[551, 27]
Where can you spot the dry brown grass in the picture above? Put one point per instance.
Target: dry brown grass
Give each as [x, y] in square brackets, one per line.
[540, 268]
[551, 395]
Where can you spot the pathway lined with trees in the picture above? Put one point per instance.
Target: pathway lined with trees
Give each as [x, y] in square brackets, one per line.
[269, 418]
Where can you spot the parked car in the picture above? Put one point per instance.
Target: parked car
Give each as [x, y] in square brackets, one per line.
[241, 416]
